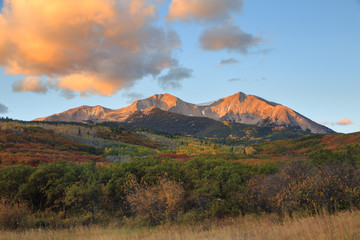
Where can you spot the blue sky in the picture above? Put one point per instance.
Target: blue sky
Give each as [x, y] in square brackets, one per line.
[301, 54]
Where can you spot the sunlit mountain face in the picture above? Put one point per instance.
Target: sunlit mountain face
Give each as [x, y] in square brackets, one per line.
[238, 108]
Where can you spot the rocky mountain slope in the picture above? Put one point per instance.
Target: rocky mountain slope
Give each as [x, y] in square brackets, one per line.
[174, 123]
[80, 114]
[239, 108]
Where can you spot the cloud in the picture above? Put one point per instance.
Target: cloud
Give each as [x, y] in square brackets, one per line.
[68, 94]
[30, 84]
[3, 109]
[174, 76]
[344, 122]
[237, 80]
[132, 96]
[86, 46]
[225, 36]
[199, 10]
[246, 80]
[229, 61]
[228, 37]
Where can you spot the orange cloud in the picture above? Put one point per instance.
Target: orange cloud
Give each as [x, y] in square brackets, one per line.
[186, 10]
[89, 83]
[88, 46]
[344, 122]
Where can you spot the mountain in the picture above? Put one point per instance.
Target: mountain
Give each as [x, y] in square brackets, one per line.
[80, 114]
[174, 123]
[238, 108]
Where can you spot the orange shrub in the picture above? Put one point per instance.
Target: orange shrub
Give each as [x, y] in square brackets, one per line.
[162, 202]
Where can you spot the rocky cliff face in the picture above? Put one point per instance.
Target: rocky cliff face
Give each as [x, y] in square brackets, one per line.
[240, 108]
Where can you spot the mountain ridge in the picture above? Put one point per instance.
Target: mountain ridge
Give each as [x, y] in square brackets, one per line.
[173, 123]
[238, 108]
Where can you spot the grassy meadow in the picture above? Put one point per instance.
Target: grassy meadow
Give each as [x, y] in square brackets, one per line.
[343, 225]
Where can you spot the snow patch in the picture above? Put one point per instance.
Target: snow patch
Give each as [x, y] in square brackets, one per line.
[206, 104]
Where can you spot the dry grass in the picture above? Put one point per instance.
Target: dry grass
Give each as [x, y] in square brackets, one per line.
[345, 225]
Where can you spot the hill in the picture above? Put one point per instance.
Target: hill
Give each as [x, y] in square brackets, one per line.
[343, 147]
[155, 133]
[33, 145]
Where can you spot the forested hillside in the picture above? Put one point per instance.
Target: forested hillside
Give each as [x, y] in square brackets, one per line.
[33, 145]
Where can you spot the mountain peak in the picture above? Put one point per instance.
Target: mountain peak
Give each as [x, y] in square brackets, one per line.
[237, 97]
[166, 97]
[239, 107]
[79, 114]
[162, 95]
[163, 101]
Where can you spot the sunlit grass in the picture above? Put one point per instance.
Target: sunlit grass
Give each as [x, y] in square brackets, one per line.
[345, 225]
